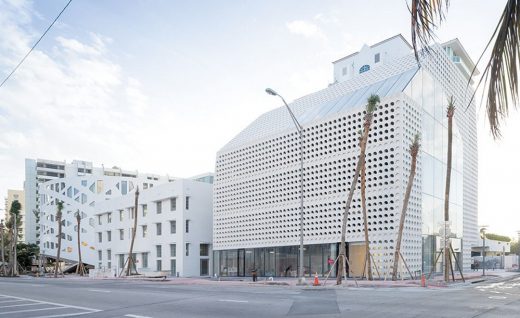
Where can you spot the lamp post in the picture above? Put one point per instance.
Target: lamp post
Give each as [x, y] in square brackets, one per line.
[518, 249]
[299, 128]
[2, 242]
[483, 232]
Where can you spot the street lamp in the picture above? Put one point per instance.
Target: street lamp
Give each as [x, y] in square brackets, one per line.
[299, 128]
[2, 243]
[483, 232]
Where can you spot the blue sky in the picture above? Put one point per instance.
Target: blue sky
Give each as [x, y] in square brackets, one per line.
[160, 86]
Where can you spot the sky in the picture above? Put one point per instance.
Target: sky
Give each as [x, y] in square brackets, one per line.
[160, 86]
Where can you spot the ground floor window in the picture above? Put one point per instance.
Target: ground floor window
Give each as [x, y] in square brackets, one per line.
[173, 267]
[282, 261]
[204, 267]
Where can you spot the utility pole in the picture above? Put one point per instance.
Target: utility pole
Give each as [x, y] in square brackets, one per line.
[3, 254]
[483, 232]
[518, 249]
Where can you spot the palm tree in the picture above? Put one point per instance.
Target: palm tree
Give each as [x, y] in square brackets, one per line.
[368, 263]
[414, 151]
[81, 267]
[372, 102]
[15, 215]
[500, 76]
[59, 207]
[449, 112]
[131, 260]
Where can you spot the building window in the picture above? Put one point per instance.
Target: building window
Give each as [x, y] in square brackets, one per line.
[204, 249]
[173, 227]
[364, 68]
[173, 250]
[173, 204]
[145, 210]
[187, 226]
[145, 230]
[99, 219]
[158, 227]
[144, 257]
[109, 265]
[121, 215]
[131, 213]
[187, 249]
[187, 203]
[377, 58]
[173, 267]
[109, 236]
[100, 237]
[100, 255]
[344, 71]
[159, 265]
[159, 207]
[121, 234]
[109, 217]
[109, 255]
[204, 267]
[158, 250]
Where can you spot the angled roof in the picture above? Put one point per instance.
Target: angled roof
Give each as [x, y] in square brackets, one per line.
[377, 44]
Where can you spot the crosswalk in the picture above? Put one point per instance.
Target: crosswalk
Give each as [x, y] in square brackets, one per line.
[18, 307]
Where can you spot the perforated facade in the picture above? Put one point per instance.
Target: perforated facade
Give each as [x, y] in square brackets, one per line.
[256, 192]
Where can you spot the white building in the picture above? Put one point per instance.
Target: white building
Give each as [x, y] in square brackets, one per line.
[174, 229]
[17, 195]
[256, 191]
[82, 188]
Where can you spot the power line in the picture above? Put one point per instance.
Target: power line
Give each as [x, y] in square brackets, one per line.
[35, 44]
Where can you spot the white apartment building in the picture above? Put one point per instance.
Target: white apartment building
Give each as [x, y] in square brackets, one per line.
[174, 229]
[256, 192]
[80, 189]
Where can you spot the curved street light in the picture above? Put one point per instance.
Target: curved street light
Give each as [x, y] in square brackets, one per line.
[299, 128]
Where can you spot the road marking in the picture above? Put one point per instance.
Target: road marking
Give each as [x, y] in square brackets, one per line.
[29, 310]
[497, 297]
[54, 304]
[10, 301]
[100, 290]
[20, 305]
[136, 316]
[234, 301]
[66, 315]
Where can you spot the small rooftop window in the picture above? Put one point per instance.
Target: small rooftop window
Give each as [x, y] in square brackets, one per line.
[364, 68]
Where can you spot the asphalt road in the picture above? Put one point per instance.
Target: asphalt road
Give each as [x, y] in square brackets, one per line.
[49, 297]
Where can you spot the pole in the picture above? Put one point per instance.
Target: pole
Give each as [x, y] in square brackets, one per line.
[518, 248]
[299, 128]
[3, 254]
[483, 252]
[15, 238]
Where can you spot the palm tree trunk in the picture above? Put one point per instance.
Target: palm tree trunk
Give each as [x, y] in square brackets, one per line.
[414, 150]
[131, 260]
[57, 265]
[365, 219]
[80, 269]
[15, 240]
[450, 113]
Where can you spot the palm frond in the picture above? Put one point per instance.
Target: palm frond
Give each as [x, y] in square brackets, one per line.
[501, 72]
[426, 15]
[372, 102]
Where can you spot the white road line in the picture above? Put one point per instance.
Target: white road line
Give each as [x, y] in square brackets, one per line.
[54, 304]
[21, 305]
[234, 301]
[100, 290]
[66, 315]
[30, 310]
[136, 316]
[10, 301]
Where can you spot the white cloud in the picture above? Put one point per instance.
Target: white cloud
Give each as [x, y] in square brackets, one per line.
[305, 28]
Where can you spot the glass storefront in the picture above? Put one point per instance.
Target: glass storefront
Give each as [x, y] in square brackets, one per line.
[434, 145]
[280, 261]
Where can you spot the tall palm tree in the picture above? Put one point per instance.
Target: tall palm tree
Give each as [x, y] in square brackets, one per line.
[372, 102]
[14, 211]
[368, 263]
[500, 76]
[414, 151]
[80, 269]
[131, 260]
[59, 207]
[450, 111]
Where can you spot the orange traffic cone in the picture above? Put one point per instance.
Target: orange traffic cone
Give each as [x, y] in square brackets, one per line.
[316, 280]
